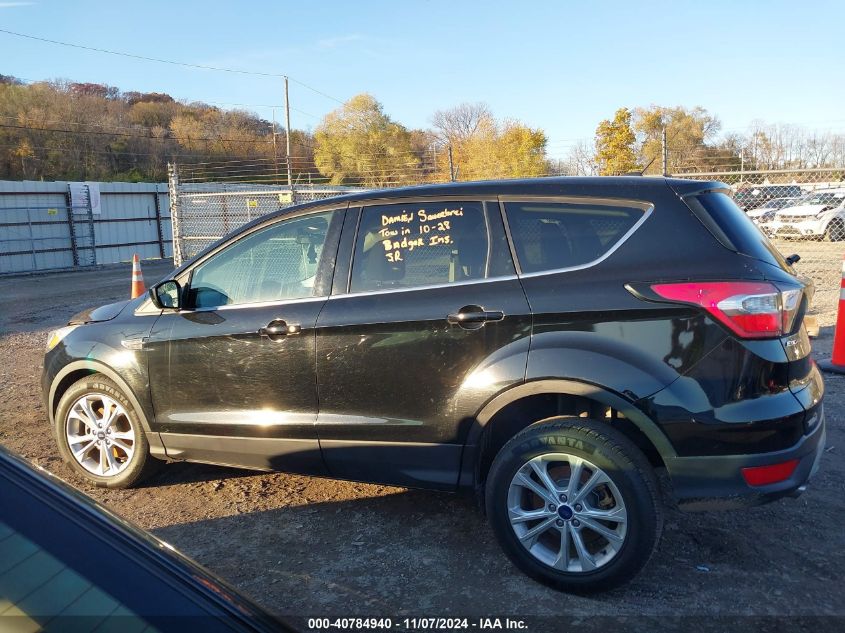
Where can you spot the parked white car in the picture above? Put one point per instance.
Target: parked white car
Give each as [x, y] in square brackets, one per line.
[766, 212]
[818, 214]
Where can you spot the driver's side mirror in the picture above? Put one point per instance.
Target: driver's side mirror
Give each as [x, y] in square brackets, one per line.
[167, 295]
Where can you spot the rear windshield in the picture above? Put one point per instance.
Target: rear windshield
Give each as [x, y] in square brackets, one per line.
[734, 229]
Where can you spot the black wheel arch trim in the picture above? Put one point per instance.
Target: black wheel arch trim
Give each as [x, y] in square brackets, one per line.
[94, 366]
[469, 476]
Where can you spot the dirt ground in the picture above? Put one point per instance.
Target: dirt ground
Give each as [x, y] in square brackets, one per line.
[317, 547]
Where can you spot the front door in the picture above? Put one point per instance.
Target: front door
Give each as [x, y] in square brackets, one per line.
[232, 376]
[433, 323]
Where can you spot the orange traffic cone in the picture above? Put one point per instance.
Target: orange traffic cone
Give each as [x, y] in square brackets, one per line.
[836, 364]
[137, 279]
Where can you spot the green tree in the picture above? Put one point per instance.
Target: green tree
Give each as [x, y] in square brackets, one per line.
[359, 144]
[688, 133]
[615, 141]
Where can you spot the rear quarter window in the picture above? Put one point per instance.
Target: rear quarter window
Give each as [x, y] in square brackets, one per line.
[559, 235]
[733, 228]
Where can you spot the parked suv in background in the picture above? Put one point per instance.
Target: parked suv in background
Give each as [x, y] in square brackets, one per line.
[818, 214]
[549, 343]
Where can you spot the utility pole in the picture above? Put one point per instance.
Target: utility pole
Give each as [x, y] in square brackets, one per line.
[275, 153]
[451, 166]
[287, 138]
[665, 153]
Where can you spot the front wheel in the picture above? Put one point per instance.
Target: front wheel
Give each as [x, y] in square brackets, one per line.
[835, 231]
[574, 504]
[100, 435]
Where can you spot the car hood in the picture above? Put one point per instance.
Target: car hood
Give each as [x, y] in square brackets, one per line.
[803, 209]
[102, 313]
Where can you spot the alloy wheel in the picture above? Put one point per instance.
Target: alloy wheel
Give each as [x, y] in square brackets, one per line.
[567, 512]
[99, 434]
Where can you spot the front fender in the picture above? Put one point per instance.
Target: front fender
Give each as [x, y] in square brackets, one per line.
[141, 406]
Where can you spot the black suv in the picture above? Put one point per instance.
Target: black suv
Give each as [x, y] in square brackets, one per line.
[551, 344]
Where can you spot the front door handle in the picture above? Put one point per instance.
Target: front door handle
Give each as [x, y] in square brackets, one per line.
[472, 317]
[278, 329]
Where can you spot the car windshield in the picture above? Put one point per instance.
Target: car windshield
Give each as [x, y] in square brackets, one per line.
[822, 197]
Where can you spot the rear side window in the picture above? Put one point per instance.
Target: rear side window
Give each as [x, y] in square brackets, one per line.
[559, 235]
[733, 228]
[420, 244]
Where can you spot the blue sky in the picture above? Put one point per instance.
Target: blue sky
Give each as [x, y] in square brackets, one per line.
[561, 66]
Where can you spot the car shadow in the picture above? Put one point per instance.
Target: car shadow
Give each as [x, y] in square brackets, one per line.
[413, 552]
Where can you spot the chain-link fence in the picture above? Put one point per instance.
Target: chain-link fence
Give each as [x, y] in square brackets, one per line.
[803, 212]
[203, 212]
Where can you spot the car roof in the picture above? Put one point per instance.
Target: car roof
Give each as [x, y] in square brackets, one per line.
[603, 186]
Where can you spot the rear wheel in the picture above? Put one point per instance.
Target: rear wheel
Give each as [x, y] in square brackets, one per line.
[574, 504]
[100, 435]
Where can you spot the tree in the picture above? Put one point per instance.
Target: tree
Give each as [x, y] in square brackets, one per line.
[460, 123]
[582, 160]
[512, 150]
[71, 131]
[484, 148]
[687, 131]
[615, 145]
[358, 143]
[24, 151]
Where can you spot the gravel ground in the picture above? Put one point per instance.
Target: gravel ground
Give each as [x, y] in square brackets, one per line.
[309, 546]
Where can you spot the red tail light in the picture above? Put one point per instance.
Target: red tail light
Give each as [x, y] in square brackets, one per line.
[772, 474]
[750, 309]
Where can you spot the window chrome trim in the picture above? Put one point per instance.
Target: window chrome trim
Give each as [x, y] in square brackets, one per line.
[616, 202]
[647, 208]
[433, 198]
[465, 282]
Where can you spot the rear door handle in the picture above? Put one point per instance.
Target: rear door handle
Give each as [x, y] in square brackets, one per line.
[472, 317]
[278, 329]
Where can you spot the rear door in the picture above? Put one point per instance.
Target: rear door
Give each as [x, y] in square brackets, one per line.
[428, 324]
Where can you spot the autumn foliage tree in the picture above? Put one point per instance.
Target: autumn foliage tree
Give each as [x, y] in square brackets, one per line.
[81, 131]
[615, 152]
[689, 133]
[359, 144]
[484, 148]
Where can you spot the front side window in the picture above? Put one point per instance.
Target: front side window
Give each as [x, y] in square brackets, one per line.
[277, 263]
[418, 244]
[555, 235]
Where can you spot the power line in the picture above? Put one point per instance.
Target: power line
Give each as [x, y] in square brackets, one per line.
[158, 60]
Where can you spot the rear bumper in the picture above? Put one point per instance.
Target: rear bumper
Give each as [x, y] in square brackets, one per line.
[705, 483]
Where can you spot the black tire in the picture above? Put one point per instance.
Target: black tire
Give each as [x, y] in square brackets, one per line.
[835, 231]
[133, 470]
[624, 464]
